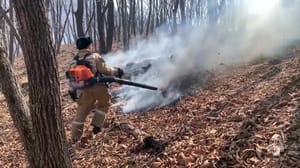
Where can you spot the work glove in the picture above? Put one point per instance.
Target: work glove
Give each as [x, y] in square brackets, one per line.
[120, 73]
[73, 95]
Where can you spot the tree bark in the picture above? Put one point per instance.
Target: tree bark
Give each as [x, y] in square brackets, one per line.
[11, 36]
[100, 20]
[153, 16]
[17, 107]
[142, 18]
[2, 26]
[182, 11]
[79, 18]
[44, 91]
[125, 24]
[176, 2]
[134, 17]
[110, 26]
[119, 22]
[149, 18]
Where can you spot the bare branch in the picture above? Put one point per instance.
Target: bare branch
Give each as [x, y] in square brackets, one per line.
[3, 13]
[89, 24]
[63, 29]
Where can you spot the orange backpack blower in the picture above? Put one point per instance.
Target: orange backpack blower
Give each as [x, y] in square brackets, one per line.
[80, 76]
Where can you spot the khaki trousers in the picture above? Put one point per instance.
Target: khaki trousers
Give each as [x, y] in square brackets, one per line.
[95, 99]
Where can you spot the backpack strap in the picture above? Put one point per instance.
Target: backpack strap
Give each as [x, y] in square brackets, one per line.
[76, 58]
[86, 55]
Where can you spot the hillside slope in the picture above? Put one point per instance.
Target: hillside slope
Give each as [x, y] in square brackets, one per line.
[248, 117]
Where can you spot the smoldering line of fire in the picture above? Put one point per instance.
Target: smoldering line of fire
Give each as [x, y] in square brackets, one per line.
[171, 62]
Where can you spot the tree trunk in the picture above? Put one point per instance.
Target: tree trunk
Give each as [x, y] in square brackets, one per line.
[142, 19]
[110, 26]
[191, 12]
[101, 23]
[182, 11]
[2, 26]
[125, 24]
[153, 16]
[129, 20]
[17, 107]
[11, 36]
[134, 17]
[176, 2]
[44, 91]
[119, 23]
[87, 16]
[149, 18]
[79, 18]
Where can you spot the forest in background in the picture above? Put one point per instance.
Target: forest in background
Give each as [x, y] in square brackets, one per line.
[109, 21]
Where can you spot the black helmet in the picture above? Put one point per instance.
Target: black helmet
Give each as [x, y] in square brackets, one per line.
[83, 42]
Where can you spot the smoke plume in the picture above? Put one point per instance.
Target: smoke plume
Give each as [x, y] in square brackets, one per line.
[177, 63]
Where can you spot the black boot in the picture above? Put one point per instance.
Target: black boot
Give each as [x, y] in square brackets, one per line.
[96, 130]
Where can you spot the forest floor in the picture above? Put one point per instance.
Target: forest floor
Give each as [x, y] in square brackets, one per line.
[247, 117]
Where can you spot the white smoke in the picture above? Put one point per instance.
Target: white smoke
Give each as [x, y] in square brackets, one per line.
[251, 33]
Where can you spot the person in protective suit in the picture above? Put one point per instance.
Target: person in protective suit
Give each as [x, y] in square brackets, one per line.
[95, 98]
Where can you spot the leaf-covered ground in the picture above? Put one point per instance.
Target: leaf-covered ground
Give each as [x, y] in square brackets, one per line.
[248, 117]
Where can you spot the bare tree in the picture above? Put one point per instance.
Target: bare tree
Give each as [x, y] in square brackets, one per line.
[79, 18]
[176, 2]
[149, 17]
[182, 11]
[125, 24]
[17, 107]
[142, 18]
[101, 9]
[48, 135]
[11, 35]
[133, 17]
[110, 26]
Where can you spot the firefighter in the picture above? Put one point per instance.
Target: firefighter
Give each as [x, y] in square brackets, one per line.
[95, 98]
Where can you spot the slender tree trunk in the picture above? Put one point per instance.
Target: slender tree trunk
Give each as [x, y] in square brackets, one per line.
[79, 18]
[149, 18]
[11, 36]
[101, 23]
[152, 20]
[191, 11]
[176, 2]
[110, 27]
[2, 26]
[182, 11]
[119, 20]
[124, 24]
[134, 17]
[152, 24]
[165, 15]
[44, 91]
[87, 15]
[142, 18]
[17, 107]
[129, 19]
